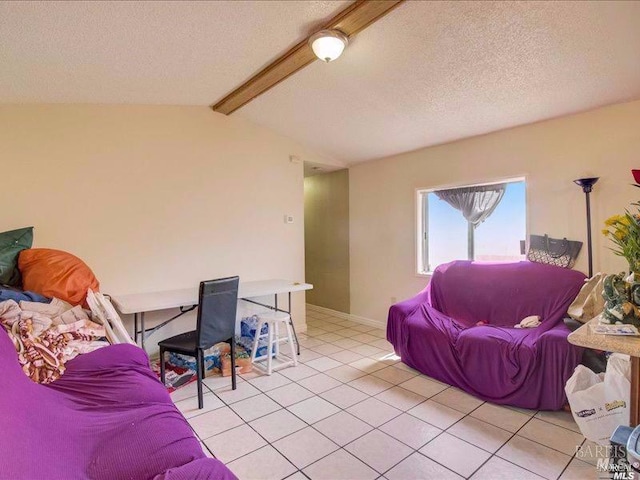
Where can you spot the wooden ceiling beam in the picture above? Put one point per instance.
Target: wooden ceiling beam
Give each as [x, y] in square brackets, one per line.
[353, 19]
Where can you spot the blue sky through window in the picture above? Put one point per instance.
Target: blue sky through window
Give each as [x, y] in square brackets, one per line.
[496, 239]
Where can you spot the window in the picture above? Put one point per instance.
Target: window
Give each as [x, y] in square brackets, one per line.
[476, 222]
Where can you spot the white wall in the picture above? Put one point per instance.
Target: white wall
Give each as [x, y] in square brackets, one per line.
[155, 197]
[603, 143]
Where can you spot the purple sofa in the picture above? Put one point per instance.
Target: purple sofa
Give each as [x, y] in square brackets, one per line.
[108, 417]
[436, 332]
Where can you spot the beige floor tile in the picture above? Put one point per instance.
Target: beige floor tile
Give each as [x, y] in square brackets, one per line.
[481, 434]
[342, 428]
[311, 342]
[214, 422]
[368, 365]
[457, 399]
[374, 412]
[185, 392]
[289, 394]
[498, 469]
[501, 417]
[244, 390]
[346, 342]
[410, 430]
[327, 349]
[189, 406]
[363, 328]
[368, 350]
[579, 470]
[436, 414]
[560, 418]
[591, 452]
[558, 438]
[381, 343]
[297, 476]
[365, 338]
[404, 366]
[423, 386]
[393, 375]
[265, 463]
[378, 333]
[307, 354]
[528, 455]
[298, 372]
[371, 385]
[215, 382]
[345, 373]
[324, 363]
[346, 356]
[419, 467]
[400, 398]
[344, 396]
[455, 454]
[277, 425]
[269, 382]
[330, 337]
[206, 451]
[331, 327]
[234, 443]
[319, 383]
[340, 465]
[313, 409]
[255, 407]
[378, 450]
[305, 447]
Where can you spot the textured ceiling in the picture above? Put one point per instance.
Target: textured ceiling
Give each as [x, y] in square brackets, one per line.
[174, 53]
[433, 72]
[427, 73]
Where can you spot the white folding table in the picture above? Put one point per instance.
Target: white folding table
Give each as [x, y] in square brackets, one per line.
[186, 299]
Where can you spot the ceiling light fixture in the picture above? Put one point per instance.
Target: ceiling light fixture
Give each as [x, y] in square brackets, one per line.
[328, 44]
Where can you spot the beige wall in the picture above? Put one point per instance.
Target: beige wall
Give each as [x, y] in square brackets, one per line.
[551, 154]
[326, 229]
[155, 197]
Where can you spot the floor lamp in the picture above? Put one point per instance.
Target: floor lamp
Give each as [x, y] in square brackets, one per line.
[587, 186]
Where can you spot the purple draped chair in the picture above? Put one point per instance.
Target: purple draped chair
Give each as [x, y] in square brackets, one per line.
[436, 332]
[107, 417]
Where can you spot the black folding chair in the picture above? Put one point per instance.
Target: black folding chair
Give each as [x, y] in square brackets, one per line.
[218, 302]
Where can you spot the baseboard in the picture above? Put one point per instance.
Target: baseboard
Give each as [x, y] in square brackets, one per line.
[347, 316]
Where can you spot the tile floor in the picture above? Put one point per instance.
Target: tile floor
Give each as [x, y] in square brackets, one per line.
[351, 410]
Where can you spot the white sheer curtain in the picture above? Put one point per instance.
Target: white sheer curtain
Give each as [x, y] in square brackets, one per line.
[475, 203]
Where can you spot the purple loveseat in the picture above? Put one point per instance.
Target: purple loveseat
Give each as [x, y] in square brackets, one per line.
[436, 332]
[108, 417]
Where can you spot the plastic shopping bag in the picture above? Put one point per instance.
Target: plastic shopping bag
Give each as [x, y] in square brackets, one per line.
[600, 402]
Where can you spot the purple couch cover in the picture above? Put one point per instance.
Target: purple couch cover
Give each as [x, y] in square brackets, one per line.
[108, 417]
[436, 333]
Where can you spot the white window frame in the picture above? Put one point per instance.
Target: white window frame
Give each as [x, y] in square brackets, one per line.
[422, 220]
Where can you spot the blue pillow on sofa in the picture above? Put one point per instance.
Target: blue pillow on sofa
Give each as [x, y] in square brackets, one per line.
[11, 293]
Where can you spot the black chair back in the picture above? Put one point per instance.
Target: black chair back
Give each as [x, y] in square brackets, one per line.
[217, 311]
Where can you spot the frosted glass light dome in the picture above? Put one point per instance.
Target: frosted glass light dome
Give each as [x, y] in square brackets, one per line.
[328, 44]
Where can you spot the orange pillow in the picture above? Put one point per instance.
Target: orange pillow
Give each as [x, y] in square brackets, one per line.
[54, 273]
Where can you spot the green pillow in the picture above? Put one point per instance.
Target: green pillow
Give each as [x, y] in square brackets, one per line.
[11, 244]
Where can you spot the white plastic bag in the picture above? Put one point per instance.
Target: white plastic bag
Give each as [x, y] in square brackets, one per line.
[600, 402]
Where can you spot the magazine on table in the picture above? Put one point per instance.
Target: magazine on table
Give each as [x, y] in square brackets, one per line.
[618, 329]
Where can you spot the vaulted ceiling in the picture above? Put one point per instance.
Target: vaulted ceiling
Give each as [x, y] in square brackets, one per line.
[427, 73]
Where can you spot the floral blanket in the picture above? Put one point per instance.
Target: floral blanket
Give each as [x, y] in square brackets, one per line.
[44, 344]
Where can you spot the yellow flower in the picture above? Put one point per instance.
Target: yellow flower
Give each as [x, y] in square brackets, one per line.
[605, 232]
[619, 234]
[625, 221]
[613, 220]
